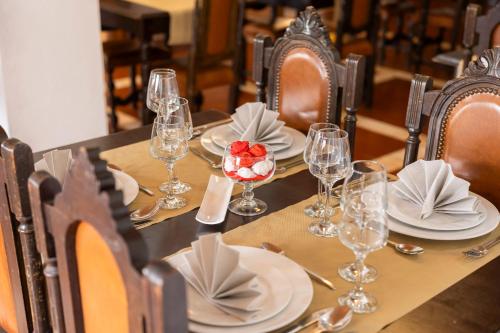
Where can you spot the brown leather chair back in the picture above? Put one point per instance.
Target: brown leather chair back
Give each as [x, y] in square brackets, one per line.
[303, 75]
[22, 299]
[481, 32]
[361, 14]
[464, 126]
[495, 36]
[101, 258]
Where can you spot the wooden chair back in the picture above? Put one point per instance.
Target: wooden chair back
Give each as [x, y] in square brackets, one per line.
[105, 280]
[481, 32]
[356, 16]
[464, 127]
[22, 293]
[305, 80]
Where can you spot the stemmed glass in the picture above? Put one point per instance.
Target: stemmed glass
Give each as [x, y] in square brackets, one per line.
[162, 85]
[329, 161]
[168, 144]
[248, 164]
[363, 228]
[177, 107]
[316, 209]
[361, 175]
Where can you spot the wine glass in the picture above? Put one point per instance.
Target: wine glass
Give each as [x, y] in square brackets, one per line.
[177, 107]
[162, 85]
[316, 209]
[329, 161]
[248, 164]
[168, 144]
[363, 229]
[362, 174]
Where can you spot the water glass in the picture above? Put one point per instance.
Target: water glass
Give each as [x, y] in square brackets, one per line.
[162, 86]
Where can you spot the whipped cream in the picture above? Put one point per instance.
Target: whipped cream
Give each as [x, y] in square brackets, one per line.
[263, 167]
[229, 164]
[245, 173]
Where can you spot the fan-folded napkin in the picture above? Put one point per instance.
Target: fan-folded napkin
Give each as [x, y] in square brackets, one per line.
[432, 186]
[56, 162]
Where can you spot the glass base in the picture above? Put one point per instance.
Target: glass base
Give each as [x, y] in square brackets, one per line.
[321, 230]
[172, 203]
[314, 210]
[175, 188]
[359, 301]
[244, 207]
[348, 272]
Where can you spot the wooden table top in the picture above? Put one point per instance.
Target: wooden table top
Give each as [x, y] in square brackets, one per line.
[178, 232]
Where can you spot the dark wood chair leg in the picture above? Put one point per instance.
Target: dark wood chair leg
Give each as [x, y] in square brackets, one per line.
[112, 100]
[234, 94]
[369, 81]
[133, 86]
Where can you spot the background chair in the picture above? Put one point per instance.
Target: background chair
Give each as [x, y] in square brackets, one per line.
[22, 293]
[464, 123]
[106, 282]
[304, 78]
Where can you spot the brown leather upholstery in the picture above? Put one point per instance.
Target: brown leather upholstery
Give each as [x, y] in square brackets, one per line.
[495, 36]
[102, 290]
[219, 29]
[303, 89]
[8, 320]
[471, 137]
[360, 13]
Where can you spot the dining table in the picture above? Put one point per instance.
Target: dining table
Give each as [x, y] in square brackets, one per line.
[406, 283]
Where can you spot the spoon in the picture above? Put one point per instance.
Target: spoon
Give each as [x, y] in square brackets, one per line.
[335, 320]
[145, 213]
[406, 248]
[316, 276]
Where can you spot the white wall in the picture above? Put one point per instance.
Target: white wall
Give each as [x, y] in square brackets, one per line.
[51, 71]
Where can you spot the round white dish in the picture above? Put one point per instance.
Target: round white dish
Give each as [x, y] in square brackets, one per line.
[301, 297]
[491, 222]
[297, 147]
[407, 212]
[225, 135]
[277, 290]
[126, 184]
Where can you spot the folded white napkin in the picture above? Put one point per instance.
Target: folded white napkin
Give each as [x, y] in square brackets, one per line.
[432, 186]
[214, 270]
[56, 162]
[253, 122]
[215, 201]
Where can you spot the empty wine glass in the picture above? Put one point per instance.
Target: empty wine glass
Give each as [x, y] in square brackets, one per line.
[162, 85]
[363, 229]
[168, 144]
[177, 107]
[329, 161]
[248, 164]
[362, 174]
[316, 209]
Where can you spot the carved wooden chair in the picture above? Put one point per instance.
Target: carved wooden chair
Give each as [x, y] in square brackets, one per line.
[480, 33]
[105, 280]
[304, 78]
[464, 127]
[22, 296]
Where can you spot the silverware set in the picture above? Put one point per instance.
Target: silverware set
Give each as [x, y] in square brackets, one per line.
[482, 249]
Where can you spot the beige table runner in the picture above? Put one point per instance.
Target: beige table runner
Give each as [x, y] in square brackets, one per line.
[181, 18]
[135, 160]
[404, 282]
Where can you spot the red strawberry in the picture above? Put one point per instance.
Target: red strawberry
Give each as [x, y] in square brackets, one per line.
[245, 159]
[258, 150]
[239, 147]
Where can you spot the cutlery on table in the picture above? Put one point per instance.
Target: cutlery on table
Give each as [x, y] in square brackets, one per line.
[202, 129]
[482, 250]
[329, 319]
[285, 167]
[214, 164]
[141, 187]
[406, 248]
[316, 276]
[145, 213]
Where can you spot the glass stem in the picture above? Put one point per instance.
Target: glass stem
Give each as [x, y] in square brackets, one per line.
[248, 194]
[325, 221]
[173, 179]
[171, 175]
[320, 194]
[359, 264]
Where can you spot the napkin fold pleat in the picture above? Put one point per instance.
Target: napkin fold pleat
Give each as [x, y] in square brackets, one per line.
[56, 162]
[432, 186]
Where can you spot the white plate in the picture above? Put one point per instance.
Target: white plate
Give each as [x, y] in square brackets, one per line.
[301, 298]
[407, 212]
[277, 290]
[225, 135]
[491, 222]
[126, 184]
[297, 147]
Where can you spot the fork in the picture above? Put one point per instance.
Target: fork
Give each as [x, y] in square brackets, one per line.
[481, 250]
[213, 164]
